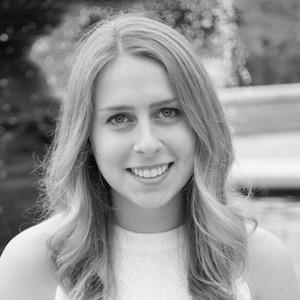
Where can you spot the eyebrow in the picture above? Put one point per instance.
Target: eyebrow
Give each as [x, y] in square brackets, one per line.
[127, 107]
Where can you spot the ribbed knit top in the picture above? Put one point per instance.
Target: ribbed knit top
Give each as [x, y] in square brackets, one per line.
[152, 266]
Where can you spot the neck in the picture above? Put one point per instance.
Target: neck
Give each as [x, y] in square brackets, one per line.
[151, 220]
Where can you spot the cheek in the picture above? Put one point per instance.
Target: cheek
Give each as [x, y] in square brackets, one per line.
[109, 150]
[186, 142]
[187, 148]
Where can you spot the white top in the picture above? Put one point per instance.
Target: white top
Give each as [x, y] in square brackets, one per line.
[151, 266]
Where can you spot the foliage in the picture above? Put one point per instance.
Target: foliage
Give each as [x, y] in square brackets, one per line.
[270, 31]
[210, 25]
[25, 96]
[24, 92]
[21, 23]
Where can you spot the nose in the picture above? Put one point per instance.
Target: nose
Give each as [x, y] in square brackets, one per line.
[147, 141]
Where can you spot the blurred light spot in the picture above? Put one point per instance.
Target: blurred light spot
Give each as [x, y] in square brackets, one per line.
[6, 107]
[12, 120]
[7, 137]
[245, 75]
[206, 23]
[52, 80]
[41, 45]
[4, 37]
[3, 82]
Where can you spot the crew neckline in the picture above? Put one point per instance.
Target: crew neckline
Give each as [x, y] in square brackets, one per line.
[158, 241]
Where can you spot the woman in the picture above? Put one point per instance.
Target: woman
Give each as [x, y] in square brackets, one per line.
[138, 205]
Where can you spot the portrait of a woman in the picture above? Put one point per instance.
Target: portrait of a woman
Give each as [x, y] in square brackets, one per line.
[137, 200]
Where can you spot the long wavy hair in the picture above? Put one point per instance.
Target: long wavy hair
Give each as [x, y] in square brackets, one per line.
[81, 245]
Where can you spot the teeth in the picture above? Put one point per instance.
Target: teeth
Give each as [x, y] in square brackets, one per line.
[153, 173]
[138, 172]
[150, 173]
[146, 173]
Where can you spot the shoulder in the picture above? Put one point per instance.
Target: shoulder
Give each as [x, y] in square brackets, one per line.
[270, 271]
[25, 263]
[31, 242]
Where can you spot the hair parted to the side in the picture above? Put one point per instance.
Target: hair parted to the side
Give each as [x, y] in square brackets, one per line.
[81, 246]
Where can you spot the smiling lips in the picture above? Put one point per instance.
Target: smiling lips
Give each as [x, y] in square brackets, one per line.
[150, 172]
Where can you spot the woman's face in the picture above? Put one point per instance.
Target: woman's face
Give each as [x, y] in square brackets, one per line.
[142, 144]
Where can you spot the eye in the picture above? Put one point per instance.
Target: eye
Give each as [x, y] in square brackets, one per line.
[169, 112]
[118, 119]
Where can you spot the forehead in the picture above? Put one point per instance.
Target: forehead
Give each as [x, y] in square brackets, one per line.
[132, 80]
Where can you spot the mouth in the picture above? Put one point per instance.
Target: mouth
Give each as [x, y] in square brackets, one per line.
[150, 172]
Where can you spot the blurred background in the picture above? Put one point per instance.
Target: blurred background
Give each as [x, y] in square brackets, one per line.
[251, 51]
